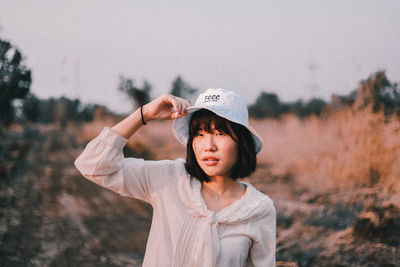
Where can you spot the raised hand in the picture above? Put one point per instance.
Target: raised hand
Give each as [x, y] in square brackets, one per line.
[165, 107]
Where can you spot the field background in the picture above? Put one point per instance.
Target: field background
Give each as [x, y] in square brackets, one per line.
[334, 180]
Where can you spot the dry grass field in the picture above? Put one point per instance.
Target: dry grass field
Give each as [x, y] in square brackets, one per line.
[334, 181]
[345, 149]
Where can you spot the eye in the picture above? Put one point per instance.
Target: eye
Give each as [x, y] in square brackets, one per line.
[199, 133]
[220, 134]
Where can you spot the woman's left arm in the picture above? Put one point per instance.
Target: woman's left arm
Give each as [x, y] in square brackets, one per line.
[262, 252]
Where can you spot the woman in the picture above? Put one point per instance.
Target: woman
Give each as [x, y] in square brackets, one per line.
[202, 215]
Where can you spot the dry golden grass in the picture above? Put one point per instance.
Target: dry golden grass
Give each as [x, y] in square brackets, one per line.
[345, 148]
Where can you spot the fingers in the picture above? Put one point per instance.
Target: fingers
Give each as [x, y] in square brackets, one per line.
[185, 105]
[171, 107]
[179, 105]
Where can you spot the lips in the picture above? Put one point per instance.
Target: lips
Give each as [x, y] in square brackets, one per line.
[210, 161]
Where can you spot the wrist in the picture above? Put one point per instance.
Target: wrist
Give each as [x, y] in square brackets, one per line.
[144, 113]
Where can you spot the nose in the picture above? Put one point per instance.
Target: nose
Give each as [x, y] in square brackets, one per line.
[209, 143]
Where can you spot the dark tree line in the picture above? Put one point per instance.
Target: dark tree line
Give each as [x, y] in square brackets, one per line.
[59, 110]
[376, 93]
[268, 105]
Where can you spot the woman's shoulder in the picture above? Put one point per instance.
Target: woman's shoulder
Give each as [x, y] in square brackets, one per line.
[256, 195]
[259, 201]
[179, 165]
[253, 206]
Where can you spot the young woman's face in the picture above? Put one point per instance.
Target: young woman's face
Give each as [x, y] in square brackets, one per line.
[216, 152]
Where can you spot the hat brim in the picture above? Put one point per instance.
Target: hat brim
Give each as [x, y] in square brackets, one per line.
[181, 126]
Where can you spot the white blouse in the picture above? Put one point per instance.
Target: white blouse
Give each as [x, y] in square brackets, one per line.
[184, 232]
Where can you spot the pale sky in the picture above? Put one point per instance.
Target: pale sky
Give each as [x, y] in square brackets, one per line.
[79, 48]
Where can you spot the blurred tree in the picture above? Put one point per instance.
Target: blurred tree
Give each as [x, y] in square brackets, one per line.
[266, 105]
[30, 108]
[376, 92]
[180, 88]
[269, 105]
[59, 110]
[391, 99]
[315, 106]
[46, 109]
[74, 109]
[385, 93]
[139, 96]
[87, 112]
[15, 80]
[298, 108]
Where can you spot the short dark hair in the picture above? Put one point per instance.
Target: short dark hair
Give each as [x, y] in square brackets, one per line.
[204, 120]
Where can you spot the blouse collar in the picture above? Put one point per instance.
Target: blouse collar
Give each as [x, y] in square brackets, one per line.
[251, 206]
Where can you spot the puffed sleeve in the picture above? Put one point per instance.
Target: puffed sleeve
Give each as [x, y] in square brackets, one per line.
[262, 253]
[103, 163]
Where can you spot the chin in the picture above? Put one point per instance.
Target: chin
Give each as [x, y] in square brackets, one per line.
[213, 174]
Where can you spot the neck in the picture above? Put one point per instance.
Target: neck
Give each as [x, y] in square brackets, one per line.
[221, 184]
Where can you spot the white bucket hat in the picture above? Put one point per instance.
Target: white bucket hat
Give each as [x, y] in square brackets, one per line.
[224, 103]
